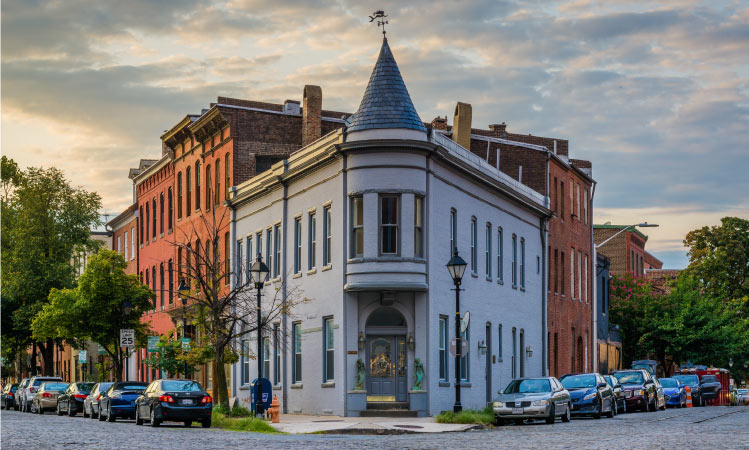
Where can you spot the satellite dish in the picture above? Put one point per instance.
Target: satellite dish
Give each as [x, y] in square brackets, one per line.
[464, 322]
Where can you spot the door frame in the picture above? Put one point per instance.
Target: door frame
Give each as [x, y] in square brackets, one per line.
[394, 340]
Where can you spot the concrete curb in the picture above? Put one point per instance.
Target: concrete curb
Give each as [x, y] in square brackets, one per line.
[392, 431]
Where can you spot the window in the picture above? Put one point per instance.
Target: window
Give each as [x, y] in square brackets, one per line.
[389, 212]
[572, 273]
[585, 280]
[269, 251]
[170, 210]
[572, 199]
[577, 200]
[161, 285]
[556, 195]
[171, 282]
[514, 261]
[538, 264]
[311, 241]
[277, 248]
[296, 350]
[141, 226]
[179, 263]
[443, 344]
[197, 185]
[217, 192]
[276, 354]
[327, 231]
[238, 273]
[198, 262]
[208, 188]
[298, 245]
[127, 245]
[465, 360]
[585, 206]
[499, 342]
[453, 231]
[249, 260]
[132, 243]
[161, 213]
[514, 352]
[266, 357]
[357, 226]
[522, 263]
[245, 362]
[564, 274]
[153, 284]
[561, 196]
[153, 223]
[179, 195]
[119, 244]
[188, 183]
[227, 255]
[418, 226]
[328, 345]
[579, 275]
[522, 353]
[227, 181]
[500, 256]
[488, 250]
[556, 271]
[148, 221]
[474, 250]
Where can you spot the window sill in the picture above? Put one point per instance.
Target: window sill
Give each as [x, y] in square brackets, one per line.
[311, 271]
[329, 384]
[514, 286]
[297, 275]
[489, 279]
[244, 387]
[444, 384]
[326, 268]
[464, 384]
[522, 289]
[500, 282]
[277, 387]
[499, 360]
[297, 386]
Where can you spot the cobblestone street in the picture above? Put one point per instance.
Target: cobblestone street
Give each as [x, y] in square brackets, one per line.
[712, 427]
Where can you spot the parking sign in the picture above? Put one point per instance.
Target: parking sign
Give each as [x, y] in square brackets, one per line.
[82, 356]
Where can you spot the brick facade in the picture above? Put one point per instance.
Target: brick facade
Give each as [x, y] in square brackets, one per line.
[626, 251]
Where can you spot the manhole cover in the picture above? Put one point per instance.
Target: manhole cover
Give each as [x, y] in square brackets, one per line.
[321, 421]
[408, 426]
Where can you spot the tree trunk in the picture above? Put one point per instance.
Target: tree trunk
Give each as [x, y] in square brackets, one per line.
[219, 382]
[47, 352]
[32, 368]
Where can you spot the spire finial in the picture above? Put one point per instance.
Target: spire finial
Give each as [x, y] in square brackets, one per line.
[380, 14]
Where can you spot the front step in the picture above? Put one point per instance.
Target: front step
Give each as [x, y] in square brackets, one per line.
[388, 413]
[387, 405]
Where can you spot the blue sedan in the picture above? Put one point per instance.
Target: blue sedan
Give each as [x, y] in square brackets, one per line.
[674, 391]
[591, 395]
[119, 400]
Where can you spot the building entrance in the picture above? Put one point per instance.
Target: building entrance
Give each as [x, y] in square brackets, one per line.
[387, 362]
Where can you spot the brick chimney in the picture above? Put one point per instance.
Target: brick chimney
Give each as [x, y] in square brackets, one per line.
[439, 123]
[462, 125]
[499, 130]
[311, 114]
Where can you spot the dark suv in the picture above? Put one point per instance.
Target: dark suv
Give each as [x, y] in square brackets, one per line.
[693, 381]
[710, 387]
[639, 389]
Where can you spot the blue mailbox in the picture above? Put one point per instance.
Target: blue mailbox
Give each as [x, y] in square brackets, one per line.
[267, 391]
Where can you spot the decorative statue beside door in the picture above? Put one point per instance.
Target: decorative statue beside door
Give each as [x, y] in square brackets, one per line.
[418, 374]
[360, 370]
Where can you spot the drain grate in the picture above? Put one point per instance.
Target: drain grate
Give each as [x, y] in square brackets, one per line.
[408, 426]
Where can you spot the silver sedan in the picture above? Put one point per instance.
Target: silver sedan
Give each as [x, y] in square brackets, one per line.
[532, 398]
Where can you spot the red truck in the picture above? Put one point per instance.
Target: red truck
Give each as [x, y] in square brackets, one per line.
[715, 385]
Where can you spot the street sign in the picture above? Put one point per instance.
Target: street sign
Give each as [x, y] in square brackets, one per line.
[153, 344]
[463, 347]
[82, 356]
[464, 321]
[127, 337]
[186, 344]
[100, 349]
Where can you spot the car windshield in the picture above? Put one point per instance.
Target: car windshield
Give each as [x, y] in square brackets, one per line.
[709, 379]
[669, 383]
[578, 381]
[629, 377]
[184, 386]
[55, 386]
[687, 379]
[85, 387]
[743, 391]
[528, 386]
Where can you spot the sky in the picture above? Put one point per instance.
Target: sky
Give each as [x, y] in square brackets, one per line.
[655, 94]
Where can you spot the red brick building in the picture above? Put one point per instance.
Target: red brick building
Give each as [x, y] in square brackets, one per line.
[626, 251]
[124, 237]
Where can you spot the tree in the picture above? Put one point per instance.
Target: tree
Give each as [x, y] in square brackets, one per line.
[171, 357]
[719, 257]
[44, 222]
[223, 311]
[93, 309]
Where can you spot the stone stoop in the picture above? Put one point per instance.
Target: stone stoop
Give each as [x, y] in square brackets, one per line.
[388, 409]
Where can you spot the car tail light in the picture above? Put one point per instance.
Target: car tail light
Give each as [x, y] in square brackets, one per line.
[206, 399]
[166, 398]
[46, 395]
[10, 395]
[32, 390]
[80, 396]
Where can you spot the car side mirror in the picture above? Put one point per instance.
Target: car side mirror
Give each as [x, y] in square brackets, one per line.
[601, 385]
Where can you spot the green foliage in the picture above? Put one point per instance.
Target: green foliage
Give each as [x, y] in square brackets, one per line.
[220, 420]
[237, 411]
[467, 416]
[171, 358]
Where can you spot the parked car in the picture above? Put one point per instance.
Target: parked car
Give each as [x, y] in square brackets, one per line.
[31, 390]
[621, 402]
[46, 396]
[8, 397]
[71, 401]
[591, 395]
[660, 396]
[710, 387]
[639, 389]
[174, 401]
[742, 397]
[119, 400]
[647, 364]
[675, 392]
[91, 403]
[532, 398]
[19, 394]
[693, 382]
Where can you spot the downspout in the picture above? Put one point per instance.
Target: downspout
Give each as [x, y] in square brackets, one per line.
[594, 264]
[233, 281]
[344, 241]
[544, 279]
[284, 315]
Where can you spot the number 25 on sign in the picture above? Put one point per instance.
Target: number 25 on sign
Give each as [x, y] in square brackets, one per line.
[127, 337]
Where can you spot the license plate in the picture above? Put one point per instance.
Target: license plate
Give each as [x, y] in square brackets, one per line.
[186, 401]
[517, 410]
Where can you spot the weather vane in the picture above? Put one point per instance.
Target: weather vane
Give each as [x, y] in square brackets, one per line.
[380, 23]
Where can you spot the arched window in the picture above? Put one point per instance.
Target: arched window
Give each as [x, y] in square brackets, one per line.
[161, 213]
[170, 210]
[179, 195]
[188, 184]
[148, 220]
[208, 188]
[197, 185]
[140, 226]
[227, 182]
[217, 191]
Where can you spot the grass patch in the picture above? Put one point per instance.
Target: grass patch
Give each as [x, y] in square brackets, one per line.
[468, 416]
[220, 420]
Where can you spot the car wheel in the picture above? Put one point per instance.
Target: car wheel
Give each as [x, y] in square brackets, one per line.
[138, 420]
[567, 415]
[519, 421]
[206, 423]
[85, 414]
[499, 422]
[110, 416]
[71, 411]
[552, 415]
[154, 421]
[100, 416]
[598, 413]
[58, 410]
[188, 423]
[612, 413]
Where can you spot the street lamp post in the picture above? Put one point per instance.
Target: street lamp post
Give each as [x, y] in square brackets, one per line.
[182, 291]
[457, 266]
[258, 272]
[127, 308]
[641, 225]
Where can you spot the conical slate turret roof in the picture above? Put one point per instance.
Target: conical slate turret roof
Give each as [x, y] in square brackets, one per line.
[386, 103]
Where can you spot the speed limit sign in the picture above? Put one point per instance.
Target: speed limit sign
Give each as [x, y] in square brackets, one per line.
[127, 337]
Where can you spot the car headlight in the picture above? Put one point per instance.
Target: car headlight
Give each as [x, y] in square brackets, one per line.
[590, 396]
[639, 392]
[540, 403]
[498, 404]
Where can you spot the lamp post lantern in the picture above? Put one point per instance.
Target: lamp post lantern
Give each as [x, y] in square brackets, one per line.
[258, 272]
[457, 266]
[182, 291]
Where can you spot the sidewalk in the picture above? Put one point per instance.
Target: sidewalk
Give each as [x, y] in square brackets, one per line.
[302, 424]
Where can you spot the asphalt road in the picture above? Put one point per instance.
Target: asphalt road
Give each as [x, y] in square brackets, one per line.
[709, 427]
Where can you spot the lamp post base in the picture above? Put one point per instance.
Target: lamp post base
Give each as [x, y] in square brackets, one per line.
[457, 408]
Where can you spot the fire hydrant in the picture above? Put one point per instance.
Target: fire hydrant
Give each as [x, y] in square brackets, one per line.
[273, 410]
